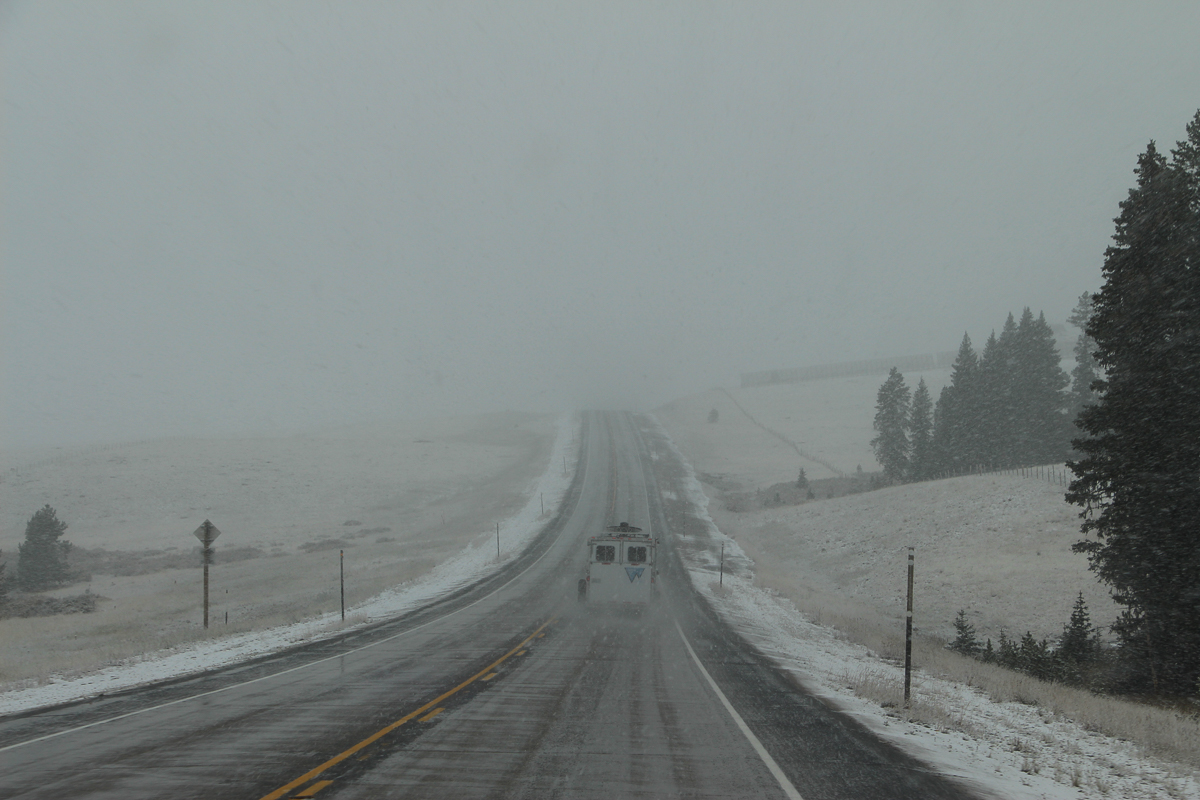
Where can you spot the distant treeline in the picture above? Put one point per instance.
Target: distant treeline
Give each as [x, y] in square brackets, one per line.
[1012, 405]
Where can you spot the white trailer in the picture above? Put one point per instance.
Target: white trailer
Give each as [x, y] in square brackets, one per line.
[621, 566]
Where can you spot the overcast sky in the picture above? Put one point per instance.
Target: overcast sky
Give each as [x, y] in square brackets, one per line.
[269, 217]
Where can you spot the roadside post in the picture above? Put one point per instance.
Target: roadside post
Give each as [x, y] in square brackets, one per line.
[497, 541]
[721, 579]
[207, 533]
[908, 632]
[342, 579]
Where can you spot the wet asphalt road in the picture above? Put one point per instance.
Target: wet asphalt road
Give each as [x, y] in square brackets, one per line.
[512, 689]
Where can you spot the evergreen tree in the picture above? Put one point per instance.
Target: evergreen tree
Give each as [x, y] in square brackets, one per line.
[1084, 374]
[964, 638]
[1006, 651]
[42, 558]
[1140, 453]
[1080, 644]
[956, 426]
[3, 584]
[994, 401]
[1034, 658]
[891, 444]
[988, 656]
[1040, 406]
[920, 424]
[802, 481]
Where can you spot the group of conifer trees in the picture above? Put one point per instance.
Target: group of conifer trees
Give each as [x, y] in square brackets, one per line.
[1076, 659]
[1009, 406]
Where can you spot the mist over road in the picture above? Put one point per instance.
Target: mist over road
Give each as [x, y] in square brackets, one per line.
[510, 689]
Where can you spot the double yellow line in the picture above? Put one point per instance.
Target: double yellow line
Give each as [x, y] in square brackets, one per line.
[379, 734]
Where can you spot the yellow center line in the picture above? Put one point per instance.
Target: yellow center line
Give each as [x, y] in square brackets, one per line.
[379, 734]
[431, 715]
[489, 677]
[316, 787]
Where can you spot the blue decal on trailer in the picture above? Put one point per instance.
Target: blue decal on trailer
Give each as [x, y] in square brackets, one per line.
[634, 573]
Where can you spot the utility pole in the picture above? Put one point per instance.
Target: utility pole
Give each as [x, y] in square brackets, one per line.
[908, 632]
[207, 533]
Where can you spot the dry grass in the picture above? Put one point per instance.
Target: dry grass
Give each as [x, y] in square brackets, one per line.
[1156, 731]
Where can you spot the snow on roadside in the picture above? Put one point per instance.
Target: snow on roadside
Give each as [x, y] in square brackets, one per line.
[469, 565]
[1008, 750]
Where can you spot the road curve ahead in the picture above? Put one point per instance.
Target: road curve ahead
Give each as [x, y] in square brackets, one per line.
[513, 689]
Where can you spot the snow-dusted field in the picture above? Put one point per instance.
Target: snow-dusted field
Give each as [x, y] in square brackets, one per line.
[810, 583]
[424, 499]
[824, 418]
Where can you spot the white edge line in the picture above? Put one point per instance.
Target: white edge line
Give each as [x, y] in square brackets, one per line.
[294, 669]
[784, 783]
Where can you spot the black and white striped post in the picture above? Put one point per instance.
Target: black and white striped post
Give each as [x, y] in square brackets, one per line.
[908, 632]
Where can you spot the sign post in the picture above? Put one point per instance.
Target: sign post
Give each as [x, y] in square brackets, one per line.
[207, 533]
[908, 631]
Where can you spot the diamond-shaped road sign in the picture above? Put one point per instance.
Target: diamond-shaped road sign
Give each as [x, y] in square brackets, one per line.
[207, 533]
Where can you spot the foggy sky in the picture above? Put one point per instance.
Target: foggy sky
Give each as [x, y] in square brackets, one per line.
[271, 217]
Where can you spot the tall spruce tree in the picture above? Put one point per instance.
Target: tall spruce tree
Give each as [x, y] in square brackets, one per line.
[1041, 433]
[42, 558]
[891, 444]
[994, 402]
[956, 420]
[1136, 479]
[1008, 410]
[920, 424]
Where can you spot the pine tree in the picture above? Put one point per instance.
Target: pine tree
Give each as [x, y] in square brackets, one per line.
[1006, 651]
[920, 424]
[891, 444]
[964, 638]
[1034, 658]
[956, 424]
[802, 480]
[1085, 372]
[1136, 479]
[42, 558]
[1041, 433]
[1080, 644]
[994, 401]
[3, 583]
[988, 656]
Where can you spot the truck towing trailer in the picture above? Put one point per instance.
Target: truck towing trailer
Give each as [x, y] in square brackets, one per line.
[621, 566]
